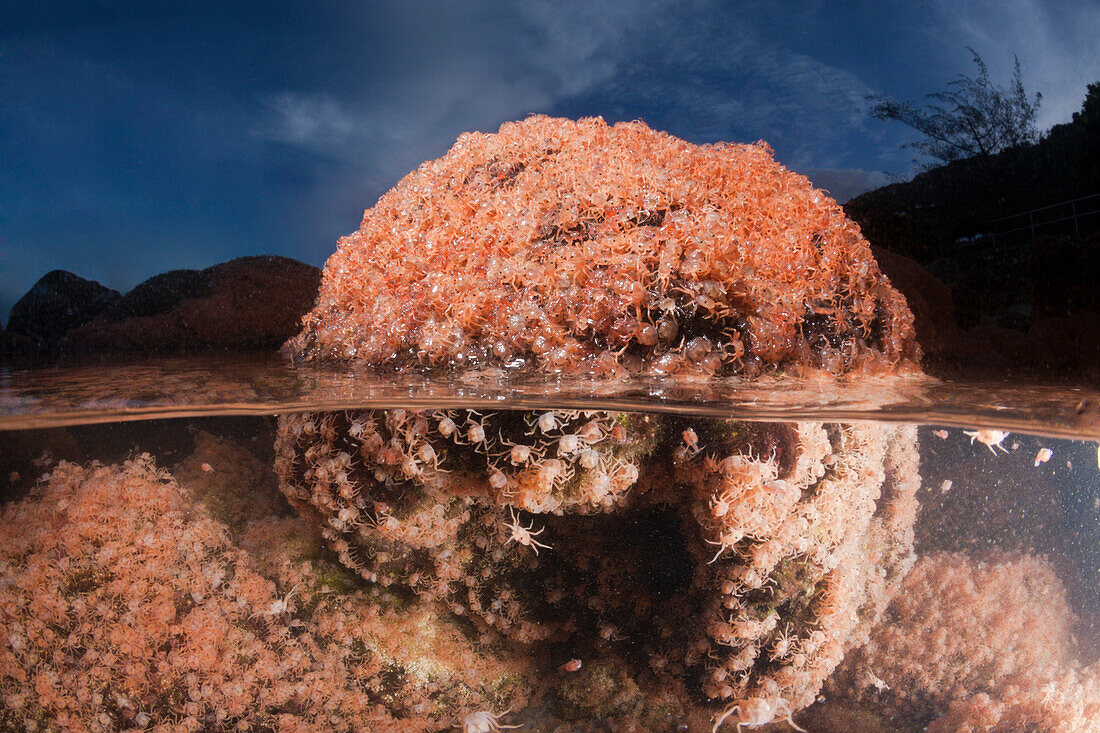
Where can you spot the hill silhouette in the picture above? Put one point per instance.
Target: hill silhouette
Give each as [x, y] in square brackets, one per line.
[924, 218]
[1014, 240]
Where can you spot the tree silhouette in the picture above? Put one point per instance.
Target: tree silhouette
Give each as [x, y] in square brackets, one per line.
[972, 118]
[1089, 116]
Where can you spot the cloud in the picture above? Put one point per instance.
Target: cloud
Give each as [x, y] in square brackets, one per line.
[192, 133]
[580, 44]
[311, 120]
[847, 183]
[461, 73]
[1055, 42]
[707, 72]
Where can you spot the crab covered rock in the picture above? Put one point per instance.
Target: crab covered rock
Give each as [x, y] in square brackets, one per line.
[582, 246]
[734, 561]
[126, 606]
[731, 562]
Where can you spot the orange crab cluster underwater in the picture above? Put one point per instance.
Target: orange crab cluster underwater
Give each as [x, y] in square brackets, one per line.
[583, 246]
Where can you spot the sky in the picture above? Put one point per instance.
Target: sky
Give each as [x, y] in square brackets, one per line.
[142, 137]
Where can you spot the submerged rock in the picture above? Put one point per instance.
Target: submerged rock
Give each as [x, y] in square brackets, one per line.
[127, 607]
[735, 560]
[584, 246]
[972, 643]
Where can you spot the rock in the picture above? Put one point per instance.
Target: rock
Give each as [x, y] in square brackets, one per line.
[971, 631]
[606, 526]
[740, 571]
[1069, 343]
[246, 303]
[59, 302]
[9, 342]
[1064, 347]
[928, 298]
[159, 294]
[258, 615]
[1065, 271]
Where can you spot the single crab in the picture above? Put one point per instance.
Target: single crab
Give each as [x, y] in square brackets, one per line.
[991, 438]
[754, 712]
[485, 722]
[524, 535]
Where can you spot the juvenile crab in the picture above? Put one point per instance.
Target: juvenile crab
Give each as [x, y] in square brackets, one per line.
[485, 722]
[524, 535]
[278, 606]
[784, 645]
[545, 422]
[754, 712]
[991, 438]
[691, 441]
[518, 454]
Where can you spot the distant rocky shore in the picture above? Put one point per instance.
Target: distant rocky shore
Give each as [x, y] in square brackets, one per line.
[250, 303]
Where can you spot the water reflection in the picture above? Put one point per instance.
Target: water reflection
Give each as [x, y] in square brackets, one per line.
[268, 384]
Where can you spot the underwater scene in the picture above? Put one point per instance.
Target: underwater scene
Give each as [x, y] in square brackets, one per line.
[587, 426]
[449, 568]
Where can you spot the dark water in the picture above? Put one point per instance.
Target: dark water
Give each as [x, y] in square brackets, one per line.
[960, 523]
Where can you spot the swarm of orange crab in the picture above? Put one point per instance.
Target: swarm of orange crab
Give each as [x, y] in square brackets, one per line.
[583, 246]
